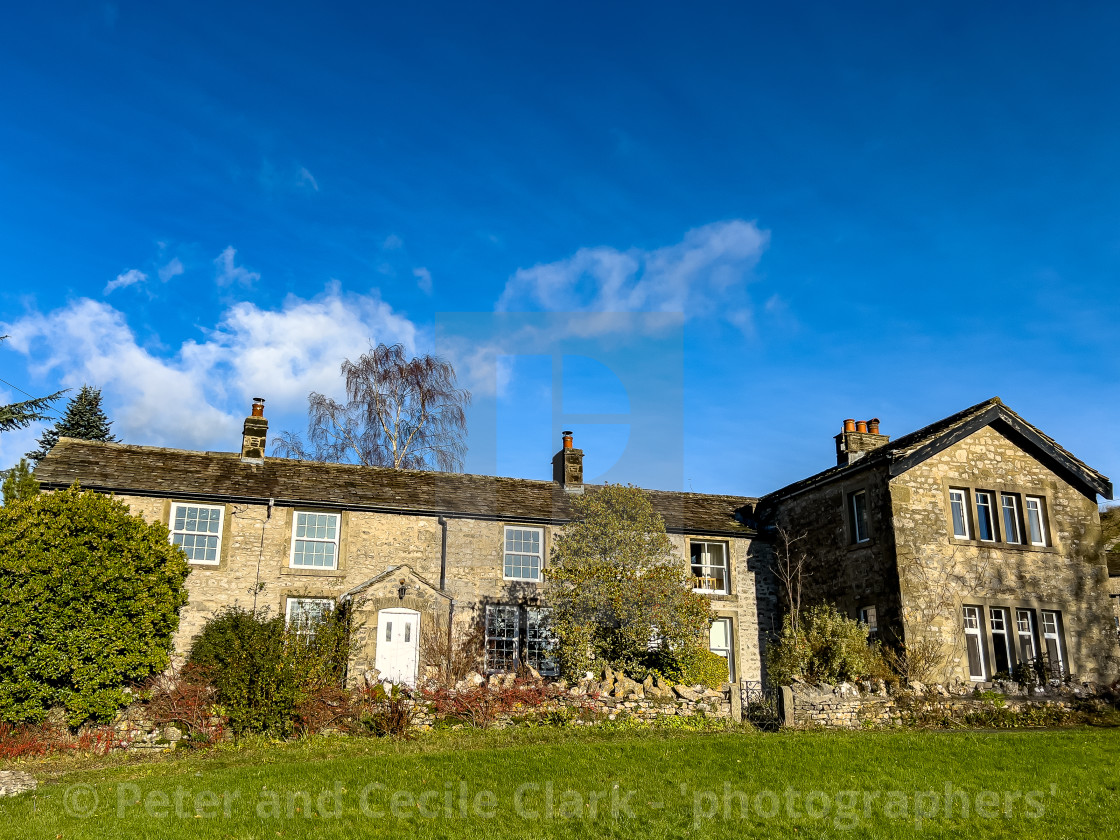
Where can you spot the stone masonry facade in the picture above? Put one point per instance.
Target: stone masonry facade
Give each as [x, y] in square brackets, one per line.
[877, 531]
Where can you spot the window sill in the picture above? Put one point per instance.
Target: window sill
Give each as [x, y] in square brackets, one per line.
[1004, 546]
[299, 570]
[521, 580]
[714, 594]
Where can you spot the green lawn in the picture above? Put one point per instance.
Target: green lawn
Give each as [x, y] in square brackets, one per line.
[565, 783]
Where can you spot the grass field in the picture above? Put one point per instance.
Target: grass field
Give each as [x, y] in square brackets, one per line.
[571, 783]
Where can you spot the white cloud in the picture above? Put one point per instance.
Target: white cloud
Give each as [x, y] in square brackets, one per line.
[172, 269]
[423, 279]
[704, 274]
[307, 179]
[128, 278]
[229, 272]
[196, 396]
[392, 243]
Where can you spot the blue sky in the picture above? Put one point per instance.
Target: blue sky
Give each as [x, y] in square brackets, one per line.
[858, 211]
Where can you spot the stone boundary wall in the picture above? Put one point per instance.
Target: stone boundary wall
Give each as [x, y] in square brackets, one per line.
[846, 706]
[588, 703]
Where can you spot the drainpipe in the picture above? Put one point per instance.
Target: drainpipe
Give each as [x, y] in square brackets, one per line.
[443, 584]
[442, 552]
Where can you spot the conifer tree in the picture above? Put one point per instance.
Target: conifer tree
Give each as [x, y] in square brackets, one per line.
[84, 419]
[19, 483]
[22, 414]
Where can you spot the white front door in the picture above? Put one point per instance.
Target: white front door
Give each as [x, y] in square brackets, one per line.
[398, 646]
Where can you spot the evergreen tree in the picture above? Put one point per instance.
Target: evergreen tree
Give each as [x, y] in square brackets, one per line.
[19, 483]
[84, 420]
[22, 414]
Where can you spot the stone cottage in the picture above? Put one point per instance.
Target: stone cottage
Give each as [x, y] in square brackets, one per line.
[975, 539]
[414, 555]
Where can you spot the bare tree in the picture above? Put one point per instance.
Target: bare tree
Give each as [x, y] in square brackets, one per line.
[789, 568]
[400, 413]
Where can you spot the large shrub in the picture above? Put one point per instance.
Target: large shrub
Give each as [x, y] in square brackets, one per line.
[261, 673]
[616, 586]
[89, 600]
[826, 647]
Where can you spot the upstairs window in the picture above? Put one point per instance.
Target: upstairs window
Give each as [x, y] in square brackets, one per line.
[197, 529]
[709, 567]
[315, 541]
[958, 502]
[985, 518]
[1010, 504]
[1036, 522]
[857, 512]
[523, 554]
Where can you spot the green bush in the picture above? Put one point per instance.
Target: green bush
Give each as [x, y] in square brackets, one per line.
[696, 665]
[261, 672]
[827, 647]
[89, 600]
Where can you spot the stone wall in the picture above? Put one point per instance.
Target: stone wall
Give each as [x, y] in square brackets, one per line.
[939, 574]
[839, 570]
[847, 706]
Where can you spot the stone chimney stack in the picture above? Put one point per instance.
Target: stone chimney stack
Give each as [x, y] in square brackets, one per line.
[857, 439]
[567, 466]
[255, 434]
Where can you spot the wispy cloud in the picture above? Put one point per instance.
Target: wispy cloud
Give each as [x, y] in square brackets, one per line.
[306, 179]
[703, 275]
[196, 395]
[423, 279]
[230, 273]
[127, 278]
[172, 269]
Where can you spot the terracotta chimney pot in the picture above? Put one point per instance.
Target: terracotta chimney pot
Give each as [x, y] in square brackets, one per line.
[258, 407]
[567, 440]
[849, 425]
[861, 426]
[873, 426]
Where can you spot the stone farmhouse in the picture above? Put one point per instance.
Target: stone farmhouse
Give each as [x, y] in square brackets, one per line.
[977, 536]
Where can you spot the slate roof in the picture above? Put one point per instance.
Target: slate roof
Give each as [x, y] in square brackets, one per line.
[223, 477]
[909, 450]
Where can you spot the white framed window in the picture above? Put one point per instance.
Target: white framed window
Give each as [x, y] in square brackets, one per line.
[974, 643]
[721, 642]
[1024, 628]
[985, 516]
[502, 633]
[539, 642]
[1052, 640]
[197, 529]
[1001, 643]
[857, 513]
[958, 502]
[524, 553]
[710, 569]
[1010, 504]
[315, 541]
[304, 614]
[870, 617]
[1036, 520]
